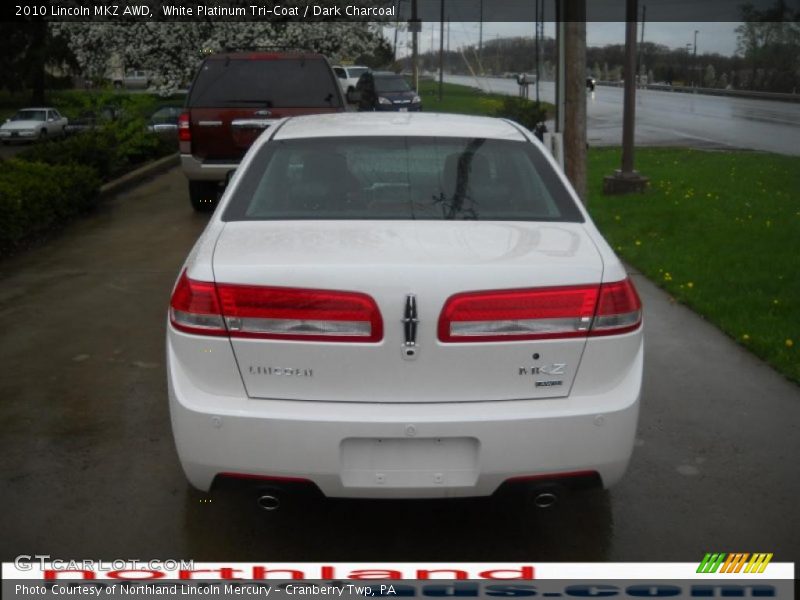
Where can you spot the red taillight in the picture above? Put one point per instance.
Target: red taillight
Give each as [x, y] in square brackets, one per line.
[275, 313]
[194, 308]
[184, 128]
[300, 314]
[540, 313]
[619, 309]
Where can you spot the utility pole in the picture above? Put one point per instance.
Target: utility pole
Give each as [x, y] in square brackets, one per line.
[694, 60]
[627, 179]
[396, 28]
[641, 39]
[415, 26]
[574, 117]
[536, 48]
[644, 20]
[441, 49]
[480, 38]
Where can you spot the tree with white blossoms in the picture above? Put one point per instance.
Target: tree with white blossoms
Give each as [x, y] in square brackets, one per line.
[172, 51]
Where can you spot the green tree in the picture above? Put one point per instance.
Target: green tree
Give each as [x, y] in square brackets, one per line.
[769, 41]
[27, 48]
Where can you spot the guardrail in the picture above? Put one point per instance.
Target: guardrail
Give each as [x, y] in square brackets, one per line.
[685, 89]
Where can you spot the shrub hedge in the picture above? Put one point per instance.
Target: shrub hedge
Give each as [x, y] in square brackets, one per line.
[527, 113]
[35, 197]
[111, 150]
[52, 181]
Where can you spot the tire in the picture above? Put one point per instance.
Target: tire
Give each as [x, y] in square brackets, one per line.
[203, 195]
[117, 85]
[43, 134]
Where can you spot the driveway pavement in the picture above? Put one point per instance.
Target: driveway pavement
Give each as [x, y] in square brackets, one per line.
[88, 468]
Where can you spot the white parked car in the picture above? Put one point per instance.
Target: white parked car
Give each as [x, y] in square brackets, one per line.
[348, 76]
[134, 79]
[33, 124]
[393, 305]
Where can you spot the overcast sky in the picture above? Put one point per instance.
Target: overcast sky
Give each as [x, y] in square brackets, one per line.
[711, 37]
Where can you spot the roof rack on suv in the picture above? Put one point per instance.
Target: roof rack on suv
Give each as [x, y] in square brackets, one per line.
[267, 48]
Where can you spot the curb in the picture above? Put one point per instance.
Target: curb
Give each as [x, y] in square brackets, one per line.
[133, 178]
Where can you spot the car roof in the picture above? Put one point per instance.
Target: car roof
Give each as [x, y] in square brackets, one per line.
[37, 108]
[422, 124]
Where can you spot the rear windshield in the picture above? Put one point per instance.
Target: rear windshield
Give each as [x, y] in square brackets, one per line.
[284, 83]
[391, 84]
[401, 178]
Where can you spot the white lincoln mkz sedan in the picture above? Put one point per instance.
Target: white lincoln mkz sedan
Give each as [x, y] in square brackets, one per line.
[403, 306]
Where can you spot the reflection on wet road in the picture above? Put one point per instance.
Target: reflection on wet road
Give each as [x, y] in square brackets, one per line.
[677, 119]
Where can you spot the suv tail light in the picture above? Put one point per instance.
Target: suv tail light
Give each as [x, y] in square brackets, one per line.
[274, 313]
[185, 132]
[541, 313]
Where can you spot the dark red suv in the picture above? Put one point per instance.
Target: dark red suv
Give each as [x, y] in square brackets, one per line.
[234, 98]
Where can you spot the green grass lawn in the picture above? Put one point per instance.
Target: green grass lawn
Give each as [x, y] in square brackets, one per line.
[462, 99]
[457, 99]
[720, 231]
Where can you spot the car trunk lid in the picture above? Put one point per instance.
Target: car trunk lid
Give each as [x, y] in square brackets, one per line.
[397, 263]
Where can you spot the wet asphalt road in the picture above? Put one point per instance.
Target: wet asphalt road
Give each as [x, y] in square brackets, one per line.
[677, 119]
[88, 468]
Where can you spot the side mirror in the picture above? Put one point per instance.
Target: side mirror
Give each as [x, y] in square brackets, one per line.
[353, 96]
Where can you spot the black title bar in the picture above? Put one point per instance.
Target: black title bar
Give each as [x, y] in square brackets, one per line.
[389, 11]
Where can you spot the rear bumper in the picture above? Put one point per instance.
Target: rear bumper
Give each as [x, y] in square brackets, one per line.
[414, 450]
[198, 170]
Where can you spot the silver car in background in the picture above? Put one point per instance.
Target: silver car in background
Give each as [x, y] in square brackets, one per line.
[30, 124]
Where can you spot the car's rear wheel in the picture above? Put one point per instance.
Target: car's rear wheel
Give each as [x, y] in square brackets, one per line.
[203, 195]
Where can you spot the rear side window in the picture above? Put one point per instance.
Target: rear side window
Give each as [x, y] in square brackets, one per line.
[402, 178]
[283, 83]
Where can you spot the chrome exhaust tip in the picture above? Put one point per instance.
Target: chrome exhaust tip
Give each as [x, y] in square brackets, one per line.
[268, 502]
[545, 500]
